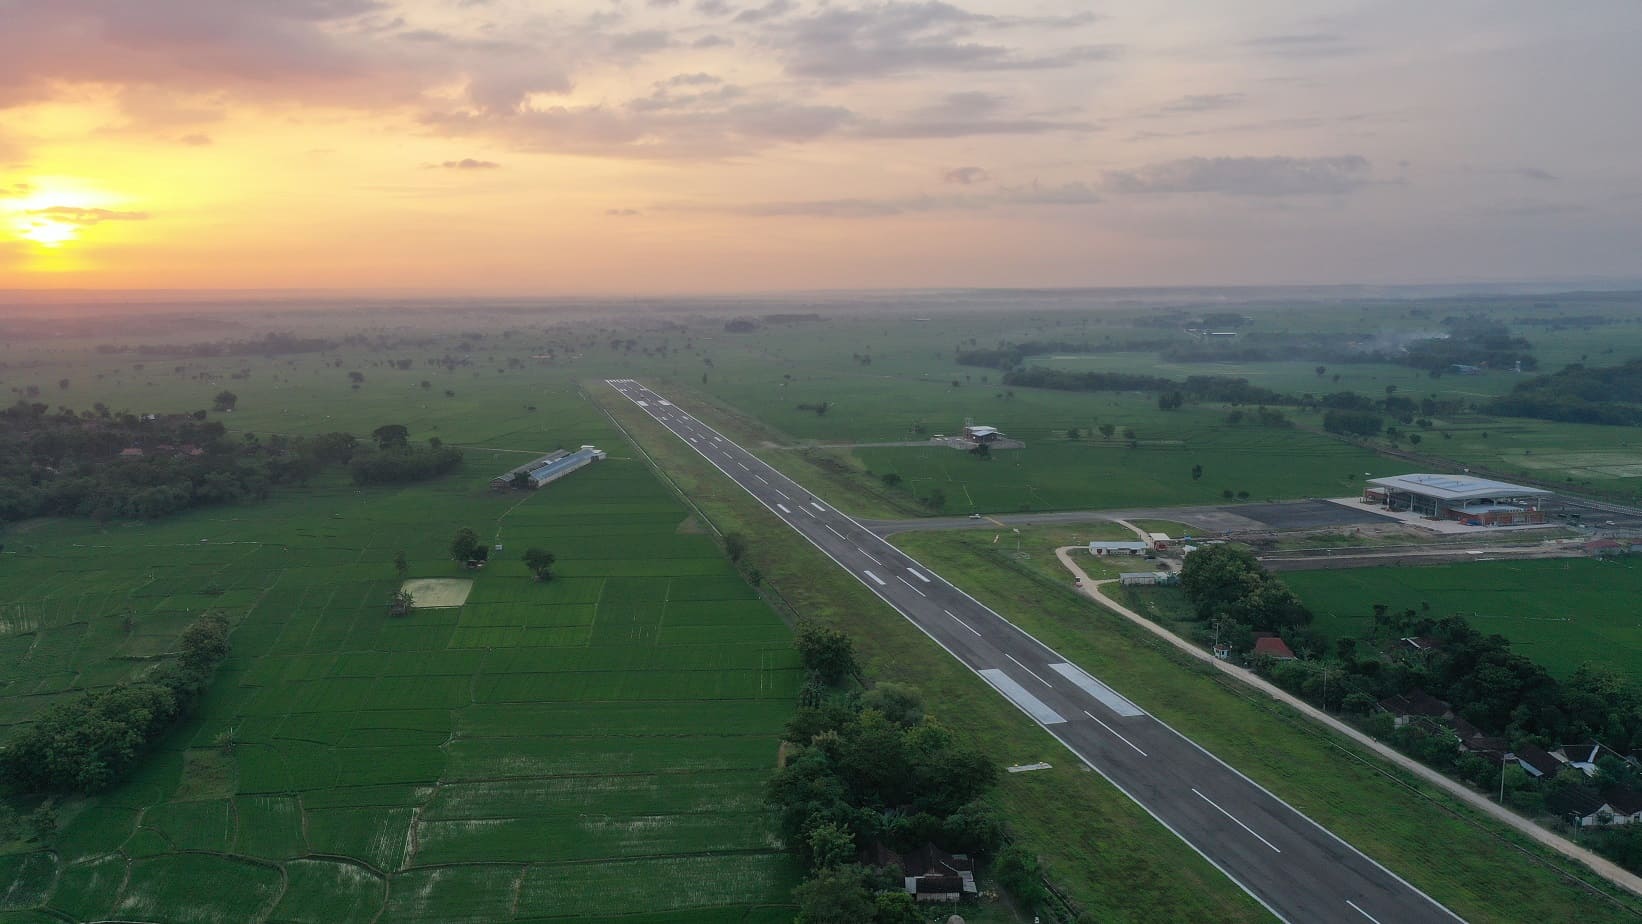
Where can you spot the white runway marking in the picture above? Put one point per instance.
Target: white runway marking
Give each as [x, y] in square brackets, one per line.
[1115, 732]
[1023, 667]
[961, 622]
[833, 531]
[693, 439]
[1034, 707]
[909, 585]
[761, 478]
[817, 506]
[876, 578]
[783, 509]
[1234, 819]
[743, 467]
[1107, 696]
[644, 404]
[868, 554]
[1360, 911]
[919, 576]
[782, 493]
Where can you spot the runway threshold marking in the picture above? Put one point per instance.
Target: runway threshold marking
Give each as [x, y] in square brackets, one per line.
[921, 594]
[1237, 822]
[1017, 694]
[1022, 666]
[1102, 693]
[1355, 907]
[1115, 732]
[961, 622]
[876, 579]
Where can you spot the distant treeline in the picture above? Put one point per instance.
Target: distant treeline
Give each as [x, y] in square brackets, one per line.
[91, 742]
[1579, 394]
[1222, 389]
[271, 344]
[119, 466]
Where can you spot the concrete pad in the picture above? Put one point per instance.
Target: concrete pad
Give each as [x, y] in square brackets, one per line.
[434, 593]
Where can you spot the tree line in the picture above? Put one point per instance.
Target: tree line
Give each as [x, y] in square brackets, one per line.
[93, 741]
[1579, 394]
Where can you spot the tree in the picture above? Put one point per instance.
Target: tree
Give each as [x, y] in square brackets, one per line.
[1074, 434]
[890, 479]
[895, 907]
[1106, 430]
[42, 822]
[838, 895]
[337, 448]
[520, 480]
[1197, 472]
[401, 603]
[391, 436]
[1021, 876]
[735, 545]
[401, 566]
[540, 562]
[224, 401]
[935, 499]
[204, 643]
[898, 702]
[465, 545]
[1170, 401]
[357, 378]
[830, 845]
[826, 651]
[1321, 371]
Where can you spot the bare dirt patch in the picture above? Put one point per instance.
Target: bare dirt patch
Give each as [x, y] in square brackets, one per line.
[431, 593]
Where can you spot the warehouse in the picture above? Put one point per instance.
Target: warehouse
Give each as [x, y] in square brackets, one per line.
[1102, 547]
[548, 468]
[1472, 501]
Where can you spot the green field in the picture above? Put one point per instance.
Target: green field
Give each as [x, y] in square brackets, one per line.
[594, 745]
[1561, 613]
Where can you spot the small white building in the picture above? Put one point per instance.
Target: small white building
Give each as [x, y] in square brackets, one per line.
[1102, 548]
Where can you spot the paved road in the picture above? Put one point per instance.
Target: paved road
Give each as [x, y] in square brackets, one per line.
[1217, 520]
[1291, 865]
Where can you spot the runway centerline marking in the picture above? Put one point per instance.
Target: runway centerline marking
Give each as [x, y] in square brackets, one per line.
[919, 575]
[783, 494]
[1359, 910]
[961, 622]
[833, 531]
[1237, 822]
[1019, 664]
[1115, 732]
[875, 578]
[868, 555]
[909, 585]
[783, 509]
[817, 506]
[761, 478]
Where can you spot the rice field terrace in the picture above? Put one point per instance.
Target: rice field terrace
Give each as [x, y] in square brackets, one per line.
[592, 747]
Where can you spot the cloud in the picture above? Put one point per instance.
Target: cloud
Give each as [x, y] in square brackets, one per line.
[623, 213]
[1066, 195]
[774, 9]
[965, 176]
[713, 8]
[712, 41]
[1535, 173]
[1203, 102]
[1302, 45]
[195, 140]
[468, 163]
[964, 114]
[84, 218]
[850, 43]
[15, 191]
[1246, 176]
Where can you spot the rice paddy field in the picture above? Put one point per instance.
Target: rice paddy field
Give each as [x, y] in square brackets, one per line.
[592, 748]
[1561, 613]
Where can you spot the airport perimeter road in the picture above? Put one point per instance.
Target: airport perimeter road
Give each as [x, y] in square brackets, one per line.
[1299, 871]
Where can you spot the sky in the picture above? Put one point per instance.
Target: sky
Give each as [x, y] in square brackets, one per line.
[699, 146]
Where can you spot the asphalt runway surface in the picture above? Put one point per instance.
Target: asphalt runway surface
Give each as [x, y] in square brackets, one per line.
[1294, 867]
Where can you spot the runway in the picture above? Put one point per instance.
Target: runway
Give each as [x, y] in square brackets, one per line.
[1294, 867]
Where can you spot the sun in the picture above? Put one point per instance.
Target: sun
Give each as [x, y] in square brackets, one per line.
[48, 233]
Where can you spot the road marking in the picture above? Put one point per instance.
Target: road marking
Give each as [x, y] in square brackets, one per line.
[1362, 912]
[1031, 705]
[869, 555]
[1115, 732]
[876, 578]
[807, 513]
[783, 509]
[1239, 823]
[1106, 696]
[909, 585]
[918, 575]
[817, 506]
[1020, 665]
[761, 478]
[744, 467]
[833, 531]
[643, 403]
[961, 622]
[694, 440]
[782, 493]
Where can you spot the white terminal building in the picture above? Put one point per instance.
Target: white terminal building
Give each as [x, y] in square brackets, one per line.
[1472, 501]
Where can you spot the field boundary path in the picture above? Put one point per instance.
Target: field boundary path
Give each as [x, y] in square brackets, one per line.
[1295, 868]
[1603, 867]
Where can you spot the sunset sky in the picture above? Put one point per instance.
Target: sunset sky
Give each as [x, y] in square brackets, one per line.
[644, 146]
